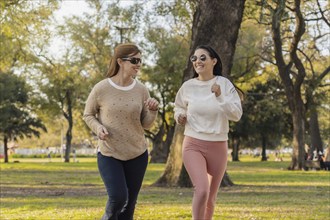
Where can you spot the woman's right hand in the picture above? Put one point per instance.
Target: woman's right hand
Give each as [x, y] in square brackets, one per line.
[182, 119]
[102, 133]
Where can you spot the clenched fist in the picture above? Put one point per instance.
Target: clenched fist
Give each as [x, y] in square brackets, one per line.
[152, 104]
[216, 89]
[102, 133]
[182, 119]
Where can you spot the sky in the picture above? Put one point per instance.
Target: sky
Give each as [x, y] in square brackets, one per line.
[71, 7]
[78, 7]
[67, 8]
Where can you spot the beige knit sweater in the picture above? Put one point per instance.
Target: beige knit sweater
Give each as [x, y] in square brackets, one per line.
[123, 112]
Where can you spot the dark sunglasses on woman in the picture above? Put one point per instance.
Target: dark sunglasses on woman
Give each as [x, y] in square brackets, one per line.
[194, 58]
[133, 60]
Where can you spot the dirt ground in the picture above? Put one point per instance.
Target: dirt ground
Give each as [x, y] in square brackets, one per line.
[46, 190]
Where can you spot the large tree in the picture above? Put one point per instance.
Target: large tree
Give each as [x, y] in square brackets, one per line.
[23, 29]
[215, 23]
[271, 123]
[245, 72]
[66, 81]
[290, 22]
[17, 119]
[62, 87]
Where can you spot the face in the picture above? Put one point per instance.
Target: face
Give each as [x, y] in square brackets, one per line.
[131, 64]
[202, 62]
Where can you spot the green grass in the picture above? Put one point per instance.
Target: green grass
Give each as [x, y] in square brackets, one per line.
[38, 189]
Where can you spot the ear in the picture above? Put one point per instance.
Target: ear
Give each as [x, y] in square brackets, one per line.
[119, 61]
[215, 61]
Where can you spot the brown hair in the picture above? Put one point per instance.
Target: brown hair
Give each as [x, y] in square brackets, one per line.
[121, 51]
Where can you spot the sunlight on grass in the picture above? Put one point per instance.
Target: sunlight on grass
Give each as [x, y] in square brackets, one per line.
[263, 190]
[163, 211]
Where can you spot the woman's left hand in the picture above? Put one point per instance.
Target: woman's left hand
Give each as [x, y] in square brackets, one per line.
[216, 89]
[152, 104]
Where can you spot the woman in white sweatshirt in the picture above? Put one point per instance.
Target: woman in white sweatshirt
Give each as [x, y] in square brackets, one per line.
[204, 105]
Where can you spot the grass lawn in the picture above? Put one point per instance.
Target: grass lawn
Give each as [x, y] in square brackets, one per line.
[38, 189]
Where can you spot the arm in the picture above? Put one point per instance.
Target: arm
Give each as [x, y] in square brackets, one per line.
[148, 114]
[180, 108]
[90, 112]
[230, 102]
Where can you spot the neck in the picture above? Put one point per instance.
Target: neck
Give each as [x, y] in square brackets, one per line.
[205, 77]
[122, 80]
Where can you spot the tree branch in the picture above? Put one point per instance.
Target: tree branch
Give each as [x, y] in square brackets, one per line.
[324, 73]
[322, 13]
[308, 60]
[298, 33]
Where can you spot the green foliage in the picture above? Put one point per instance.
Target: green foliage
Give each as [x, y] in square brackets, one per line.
[16, 118]
[249, 45]
[13, 89]
[264, 190]
[255, 62]
[265, 118]
[21, 156]
[264, 115]
[165, 76]
[177, 14]
[23, 25]
[28, 156]
[91, 42]
[62, 87]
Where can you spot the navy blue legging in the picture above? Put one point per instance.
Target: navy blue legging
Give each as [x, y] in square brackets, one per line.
[123, 180]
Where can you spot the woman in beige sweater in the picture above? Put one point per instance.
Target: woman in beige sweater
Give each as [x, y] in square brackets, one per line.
[117, 110]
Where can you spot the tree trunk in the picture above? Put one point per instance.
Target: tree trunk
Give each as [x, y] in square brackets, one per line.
[184, 180]
[226, 181]
[174, 161]
[159, 151]
[68, 117]
[156, 153]
[5, 142]
[264, 144]
[292, 85]
[298, 156]
[215, 23]
[161, 148]
[314, 128]
[68, 145]
[235, 152]
[169, 138]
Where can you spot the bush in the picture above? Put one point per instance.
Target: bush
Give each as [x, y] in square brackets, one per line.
[45, 155]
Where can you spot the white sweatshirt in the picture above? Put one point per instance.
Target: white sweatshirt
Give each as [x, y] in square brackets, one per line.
[207, 115]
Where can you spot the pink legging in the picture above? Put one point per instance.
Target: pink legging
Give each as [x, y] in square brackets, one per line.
[205, 162]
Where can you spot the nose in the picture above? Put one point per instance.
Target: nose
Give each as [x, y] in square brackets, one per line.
[198, 61]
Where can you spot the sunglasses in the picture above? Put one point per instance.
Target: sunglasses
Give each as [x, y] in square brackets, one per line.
[132, 60]
[194, 58]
